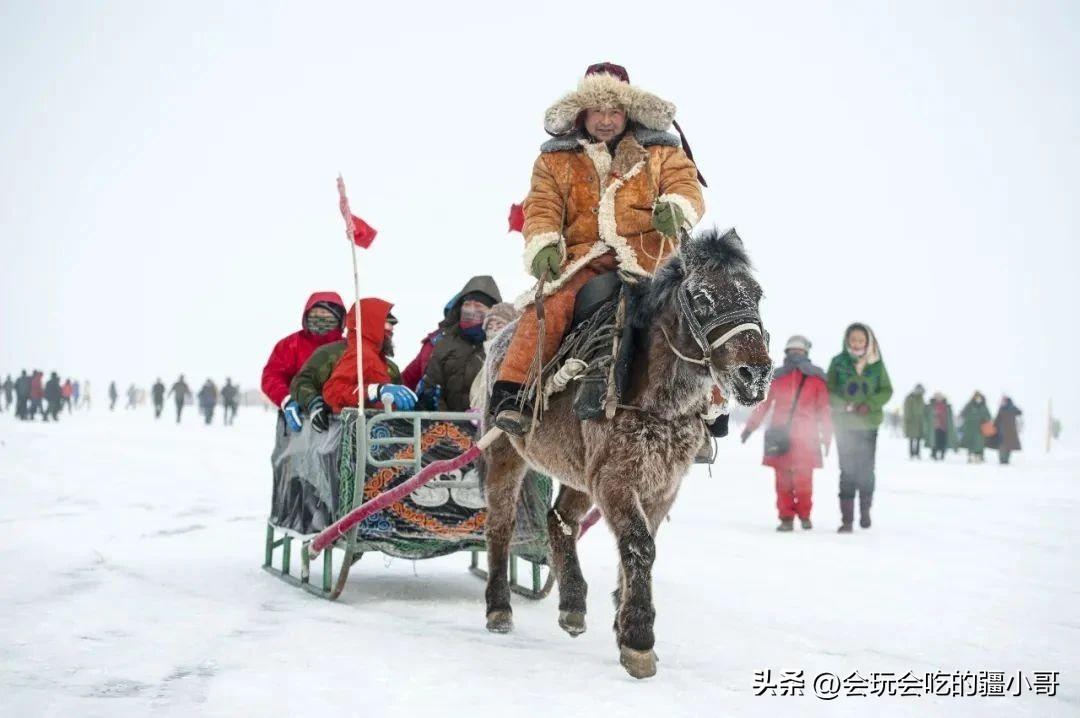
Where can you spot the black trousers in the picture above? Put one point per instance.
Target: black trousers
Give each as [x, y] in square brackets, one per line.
[915, 446]
[857, 451]
[938, 450]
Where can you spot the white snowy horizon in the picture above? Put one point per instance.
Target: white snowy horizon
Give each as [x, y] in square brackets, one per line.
[167, 197]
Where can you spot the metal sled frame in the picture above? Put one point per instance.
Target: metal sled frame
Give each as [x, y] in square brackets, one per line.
[352, 548]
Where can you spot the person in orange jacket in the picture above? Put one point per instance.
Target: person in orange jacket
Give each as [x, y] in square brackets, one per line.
[376, 346]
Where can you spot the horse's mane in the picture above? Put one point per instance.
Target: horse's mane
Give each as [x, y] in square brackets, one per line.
[710, 251]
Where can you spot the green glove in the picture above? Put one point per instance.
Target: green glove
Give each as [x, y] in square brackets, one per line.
[667, 218]
[546, 260]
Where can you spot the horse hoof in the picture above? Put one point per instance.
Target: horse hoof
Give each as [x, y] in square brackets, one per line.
[639, 664]
[573, 622]
[501, 621]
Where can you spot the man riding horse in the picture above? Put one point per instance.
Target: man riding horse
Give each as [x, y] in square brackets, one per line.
[609, 192]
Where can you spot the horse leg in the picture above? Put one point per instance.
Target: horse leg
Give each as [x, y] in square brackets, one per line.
[637, 552]
[564, 522]
[504, 474]
[655, 513]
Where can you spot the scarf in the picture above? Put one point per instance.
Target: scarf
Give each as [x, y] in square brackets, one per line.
[794, 361]
[473, 333]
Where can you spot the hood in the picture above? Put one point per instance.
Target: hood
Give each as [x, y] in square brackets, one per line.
[316, 297]
[604, 91]
[483, 284]
[873, 351]
[373, 313]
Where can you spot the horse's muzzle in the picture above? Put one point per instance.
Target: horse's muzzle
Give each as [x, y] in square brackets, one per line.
[750, 382]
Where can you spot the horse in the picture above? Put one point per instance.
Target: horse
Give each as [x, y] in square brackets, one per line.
[702, 300]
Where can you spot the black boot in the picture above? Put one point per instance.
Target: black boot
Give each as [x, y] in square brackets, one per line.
[513, 414]
[864, 510]
[786, 525]
[847, 515]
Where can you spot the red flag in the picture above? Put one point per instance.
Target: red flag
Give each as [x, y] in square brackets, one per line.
[516, 218]
[363, 233]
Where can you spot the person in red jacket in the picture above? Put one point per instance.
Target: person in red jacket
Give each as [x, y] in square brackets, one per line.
[37, 395]
[810, 430]
[377, 332]
[321, 324]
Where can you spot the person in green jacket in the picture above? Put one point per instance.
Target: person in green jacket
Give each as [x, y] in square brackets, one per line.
[915, 420]
[972, 417]
[859, 388]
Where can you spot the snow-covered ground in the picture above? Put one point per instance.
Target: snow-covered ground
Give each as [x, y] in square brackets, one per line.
[132, 586]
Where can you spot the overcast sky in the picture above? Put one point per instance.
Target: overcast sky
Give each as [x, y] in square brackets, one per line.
[167, 197]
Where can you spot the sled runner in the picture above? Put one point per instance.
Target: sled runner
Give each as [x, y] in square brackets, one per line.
[316, 482]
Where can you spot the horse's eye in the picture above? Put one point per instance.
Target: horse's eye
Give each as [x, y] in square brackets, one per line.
[704, 303]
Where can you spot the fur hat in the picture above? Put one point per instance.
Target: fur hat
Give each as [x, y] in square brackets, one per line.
[606, 86]
[502, 310]
[798, 342]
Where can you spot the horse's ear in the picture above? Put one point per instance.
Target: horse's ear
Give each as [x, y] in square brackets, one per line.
[732, 238]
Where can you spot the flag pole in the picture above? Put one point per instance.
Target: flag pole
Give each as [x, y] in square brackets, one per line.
[360, 437]
[346, 214]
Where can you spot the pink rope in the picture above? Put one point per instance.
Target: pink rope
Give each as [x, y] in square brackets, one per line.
[589, 521]
[338, 529]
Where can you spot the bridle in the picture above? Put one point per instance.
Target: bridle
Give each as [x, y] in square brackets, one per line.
[744, 319]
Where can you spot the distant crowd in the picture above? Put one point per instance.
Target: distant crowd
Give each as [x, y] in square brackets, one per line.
[934, 424]
[208, 398]
[30, 395]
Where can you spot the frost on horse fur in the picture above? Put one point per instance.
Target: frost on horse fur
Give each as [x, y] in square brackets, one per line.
[631, 466]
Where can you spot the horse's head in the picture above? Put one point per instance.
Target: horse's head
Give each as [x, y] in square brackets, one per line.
[719, 332]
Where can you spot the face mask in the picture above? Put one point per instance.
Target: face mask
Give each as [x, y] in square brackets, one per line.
[320, 324]
[471, 317]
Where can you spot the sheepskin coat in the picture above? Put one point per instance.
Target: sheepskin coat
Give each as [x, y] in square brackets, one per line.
[588, 201]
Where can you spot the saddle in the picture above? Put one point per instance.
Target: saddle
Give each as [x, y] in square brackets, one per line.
[598, 337]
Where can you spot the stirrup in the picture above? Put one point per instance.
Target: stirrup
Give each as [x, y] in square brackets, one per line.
[513, 422]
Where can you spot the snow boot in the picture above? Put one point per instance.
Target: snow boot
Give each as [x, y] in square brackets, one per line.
[864, 511]
[806, 524]
[847, 515]
[786, 525]
[512, 412]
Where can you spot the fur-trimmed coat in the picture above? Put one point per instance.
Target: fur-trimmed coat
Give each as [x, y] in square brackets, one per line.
[587, 202]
